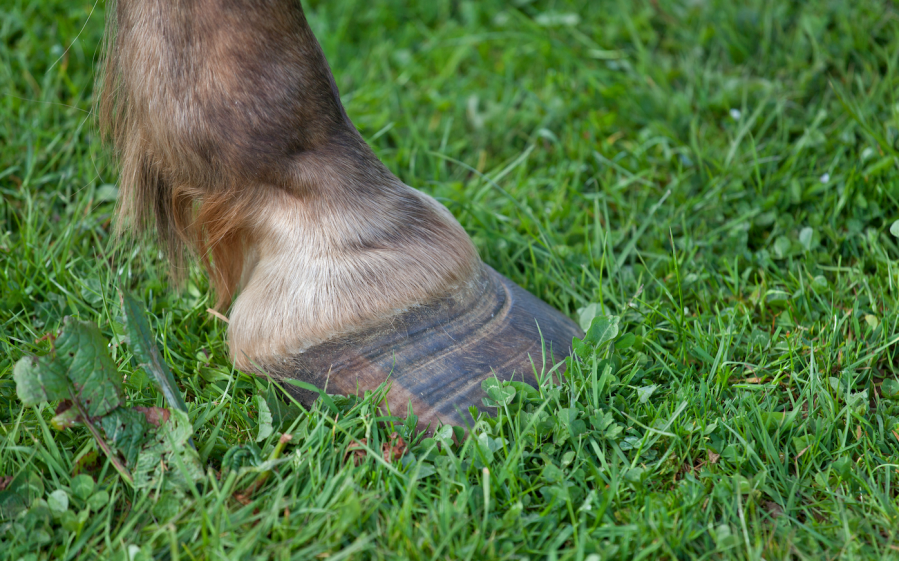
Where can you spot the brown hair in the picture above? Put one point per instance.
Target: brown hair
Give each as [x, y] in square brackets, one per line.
[206, 118]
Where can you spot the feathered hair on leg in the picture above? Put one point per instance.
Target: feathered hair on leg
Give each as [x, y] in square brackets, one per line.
[172, 187]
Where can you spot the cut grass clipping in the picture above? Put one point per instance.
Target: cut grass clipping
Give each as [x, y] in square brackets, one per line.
[720, 176]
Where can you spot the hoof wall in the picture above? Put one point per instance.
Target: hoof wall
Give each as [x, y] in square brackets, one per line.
[437, 355]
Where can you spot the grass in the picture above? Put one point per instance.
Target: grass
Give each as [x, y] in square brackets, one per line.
[720, 175]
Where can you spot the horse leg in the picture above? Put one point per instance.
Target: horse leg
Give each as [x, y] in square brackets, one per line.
[235, 148]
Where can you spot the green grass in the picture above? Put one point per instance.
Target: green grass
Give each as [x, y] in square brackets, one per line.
[721, 175]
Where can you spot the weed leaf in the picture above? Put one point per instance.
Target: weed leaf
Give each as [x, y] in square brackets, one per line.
[498, 395]
[586, 315]
[78, 369]
[645, 392]
[890, 388]
[80, 374]
[143, 345]
[168, 461]
[265, 419]
[602, 330]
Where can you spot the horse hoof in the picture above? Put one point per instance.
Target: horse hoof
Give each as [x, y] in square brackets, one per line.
[436, 355]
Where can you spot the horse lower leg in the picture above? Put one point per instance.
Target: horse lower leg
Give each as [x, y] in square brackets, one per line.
[234, 147]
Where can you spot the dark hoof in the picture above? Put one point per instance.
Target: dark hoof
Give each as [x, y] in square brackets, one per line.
[437, 355]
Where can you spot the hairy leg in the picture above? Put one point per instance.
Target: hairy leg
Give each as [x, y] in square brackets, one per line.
[235, 146]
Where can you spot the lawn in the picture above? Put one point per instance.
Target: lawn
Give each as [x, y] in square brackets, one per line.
[721, 177]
